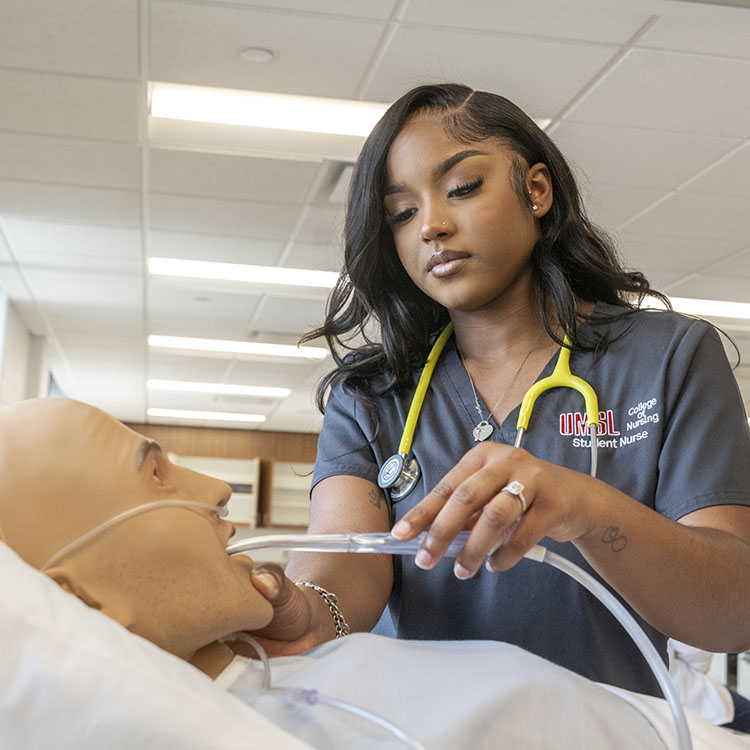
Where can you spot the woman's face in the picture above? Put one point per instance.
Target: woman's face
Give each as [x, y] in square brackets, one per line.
[460, 230]
[164, 573]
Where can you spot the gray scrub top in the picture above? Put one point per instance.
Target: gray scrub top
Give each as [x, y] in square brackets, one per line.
[675, 437]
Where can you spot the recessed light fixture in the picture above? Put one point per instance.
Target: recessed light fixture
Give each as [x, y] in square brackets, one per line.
[222, 346]
[224, 389]
[262, 109]
[213, 416]
[258, 55]
[201, 269]
[709, 308]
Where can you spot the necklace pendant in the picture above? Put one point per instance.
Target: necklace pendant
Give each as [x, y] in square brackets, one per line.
[482, 431]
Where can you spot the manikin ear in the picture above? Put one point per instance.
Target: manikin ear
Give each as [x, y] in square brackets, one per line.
[539, 188]
[88, 594]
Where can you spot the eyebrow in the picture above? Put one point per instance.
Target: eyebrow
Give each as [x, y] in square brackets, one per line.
[440, 170]
[146, 447]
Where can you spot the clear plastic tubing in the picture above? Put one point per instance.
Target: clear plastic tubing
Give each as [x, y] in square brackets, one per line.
[311, 697]
[385, 543]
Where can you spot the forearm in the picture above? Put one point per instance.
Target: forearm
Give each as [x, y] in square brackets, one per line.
[361, 583]
[689, 582]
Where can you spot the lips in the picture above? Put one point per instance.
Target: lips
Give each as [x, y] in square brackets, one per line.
[444, 256]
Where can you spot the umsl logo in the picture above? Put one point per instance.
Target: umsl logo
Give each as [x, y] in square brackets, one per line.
[575, 423]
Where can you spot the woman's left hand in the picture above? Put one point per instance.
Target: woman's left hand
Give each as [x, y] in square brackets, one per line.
[559, 504]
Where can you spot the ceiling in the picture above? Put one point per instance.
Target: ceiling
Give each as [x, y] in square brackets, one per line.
[650, 100]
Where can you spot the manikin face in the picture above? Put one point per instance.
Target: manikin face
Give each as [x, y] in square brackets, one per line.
[66, 467]
[461, 231]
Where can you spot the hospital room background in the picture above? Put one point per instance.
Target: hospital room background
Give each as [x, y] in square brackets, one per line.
[162, 264]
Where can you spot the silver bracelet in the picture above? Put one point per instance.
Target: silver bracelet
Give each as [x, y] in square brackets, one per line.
[331, 600]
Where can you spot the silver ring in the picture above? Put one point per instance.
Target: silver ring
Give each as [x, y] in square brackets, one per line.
[516, 488]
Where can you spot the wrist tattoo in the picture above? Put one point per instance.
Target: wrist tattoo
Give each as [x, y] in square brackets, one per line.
[614, 539]
[375, 497]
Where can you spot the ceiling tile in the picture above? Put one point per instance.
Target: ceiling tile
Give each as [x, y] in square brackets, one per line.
[70, 161]
[610, 205]
[224, 176]
[736, 267]
[162, 365]
[652, 89]
[728, 177]
[277, 315]
[78, 205]
[201, 45]
[695, 216]
[63, 105]
[323, 225]
[584, 22]
[250, 250]
[74, 247]
[266, 221]
[175, 311]
[635, 157]
[419, 56]
[356, 8]
[709, 29]
[682, 254]
[317, 256]
[70, 37]
[83, 291]
[710, 286]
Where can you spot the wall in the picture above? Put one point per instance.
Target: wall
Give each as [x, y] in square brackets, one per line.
[23, 370]
[206, 441]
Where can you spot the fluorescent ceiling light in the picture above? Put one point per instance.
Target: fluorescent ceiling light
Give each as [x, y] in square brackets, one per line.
[237, 347]
[186, 386]
[708, 308]
[201, 269]
[262, 109]
[215, 416]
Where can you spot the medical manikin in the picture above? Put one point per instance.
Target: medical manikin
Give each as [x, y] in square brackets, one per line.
[66, 467]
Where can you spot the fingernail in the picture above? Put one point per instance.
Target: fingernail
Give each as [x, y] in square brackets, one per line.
[489, 567]
[269, 585]
[460, 572]
[423, 559]
[402, 528]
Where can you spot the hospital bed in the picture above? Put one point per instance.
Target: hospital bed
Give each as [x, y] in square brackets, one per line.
[72, 678]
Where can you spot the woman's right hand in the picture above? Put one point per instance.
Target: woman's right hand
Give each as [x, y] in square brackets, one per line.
[292, 630]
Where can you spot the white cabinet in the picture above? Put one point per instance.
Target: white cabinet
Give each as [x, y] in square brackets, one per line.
[240, 473]
[290, 487]
[743, 674]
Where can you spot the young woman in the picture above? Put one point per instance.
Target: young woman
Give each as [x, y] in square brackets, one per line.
[462, 210]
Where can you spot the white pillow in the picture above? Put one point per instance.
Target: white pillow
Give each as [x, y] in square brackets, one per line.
[72, 678]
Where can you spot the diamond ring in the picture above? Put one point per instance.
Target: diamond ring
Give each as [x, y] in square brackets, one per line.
[516, 488]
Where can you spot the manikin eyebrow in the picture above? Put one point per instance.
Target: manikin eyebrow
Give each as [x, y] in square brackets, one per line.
[440, 170]
[143, 450]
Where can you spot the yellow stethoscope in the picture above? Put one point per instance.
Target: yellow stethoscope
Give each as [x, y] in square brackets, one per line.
[401, 474]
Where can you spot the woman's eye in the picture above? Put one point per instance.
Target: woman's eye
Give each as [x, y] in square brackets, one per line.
[403, 216]
[462, 190]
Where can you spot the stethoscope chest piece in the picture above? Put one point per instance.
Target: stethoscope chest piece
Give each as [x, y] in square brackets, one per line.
[399, 475]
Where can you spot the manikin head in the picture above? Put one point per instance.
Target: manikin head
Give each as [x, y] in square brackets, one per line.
[65, 468]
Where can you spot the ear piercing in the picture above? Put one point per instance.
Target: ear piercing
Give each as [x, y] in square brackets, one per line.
[534, 207]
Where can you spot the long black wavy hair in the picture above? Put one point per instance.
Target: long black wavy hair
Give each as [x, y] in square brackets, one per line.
[573, 259]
